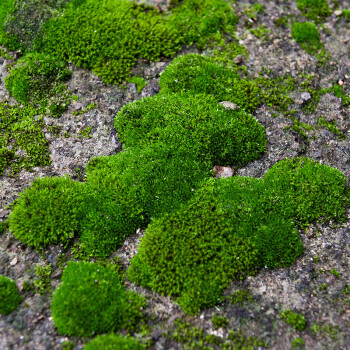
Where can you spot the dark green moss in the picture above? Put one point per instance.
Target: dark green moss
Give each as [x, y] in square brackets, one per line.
[196, 74]
[281, 22]
[316, 10]
[9, 295]
[114, 342]
[38, 79]
[295, 319]
[22, 141]
[219, 321]
[254, 10]
[307, 34]
[91, 300]
[42, 281]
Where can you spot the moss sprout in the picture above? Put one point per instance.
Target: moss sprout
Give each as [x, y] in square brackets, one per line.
[295, 319]
[92, 300]
[9, 295]
[114, 342]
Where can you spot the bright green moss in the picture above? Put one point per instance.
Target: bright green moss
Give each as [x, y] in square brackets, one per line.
[196, 122]
[307, 35]
[317, 10]
[201, 74]
[219, 321]
[295, 319]
[114, 342]
[46, 212]
[139, 82]
[346, 14]
[305, 190]
[233, 226]
[9, 295]
[22, 141]
[38, 79]
[92, 300]
[109, 37]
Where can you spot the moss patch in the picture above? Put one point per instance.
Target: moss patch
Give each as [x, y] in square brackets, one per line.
[108, 38]
[113, 342]
[203, 246]
[9, 295]
[91, 300]
[22, 141]
[307, 34]
[316, 10]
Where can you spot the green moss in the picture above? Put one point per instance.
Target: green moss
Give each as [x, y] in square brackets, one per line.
[307, 34]
[38, 79]
[281, 22]
[340, 93]
[9, 295]
[24, 19]
[261, 32]
[297, 342]
[295, 319]
[139, 81]
[316, 10]
[346, 14]
[22, 141]
[219, 321]
[240, 297]
[42, 281]
[254, 10]
[109, 38]
[335, 273]
[330, 125]
[305, 190]
[225, 137]
[114, 342]
[91, 300]
[85, 133]
[2, 227]
[46, 213]
[196, 74]
[236, 218]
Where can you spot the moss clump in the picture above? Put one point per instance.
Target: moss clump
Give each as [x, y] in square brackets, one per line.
[46, 213]
[307, 34]
[92, 300]
[316, 10]
[305, 190]
[196, 74]
[330, 125]
[293, 318]
[9, 295]
[234, 226]
[195, 122]
[38, 79]
[346, 15]
[139, 82]
[109, 37]
[22, 141]
[114, 342]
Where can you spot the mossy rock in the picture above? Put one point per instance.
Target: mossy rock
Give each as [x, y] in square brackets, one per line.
[9, 295]
[114, 342]
[192, 254]
[38, 79]
[22, 141]
[196, 122]
[196, 74]
[92, 300]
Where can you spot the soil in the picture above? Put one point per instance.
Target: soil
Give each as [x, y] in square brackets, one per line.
[327, 246]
